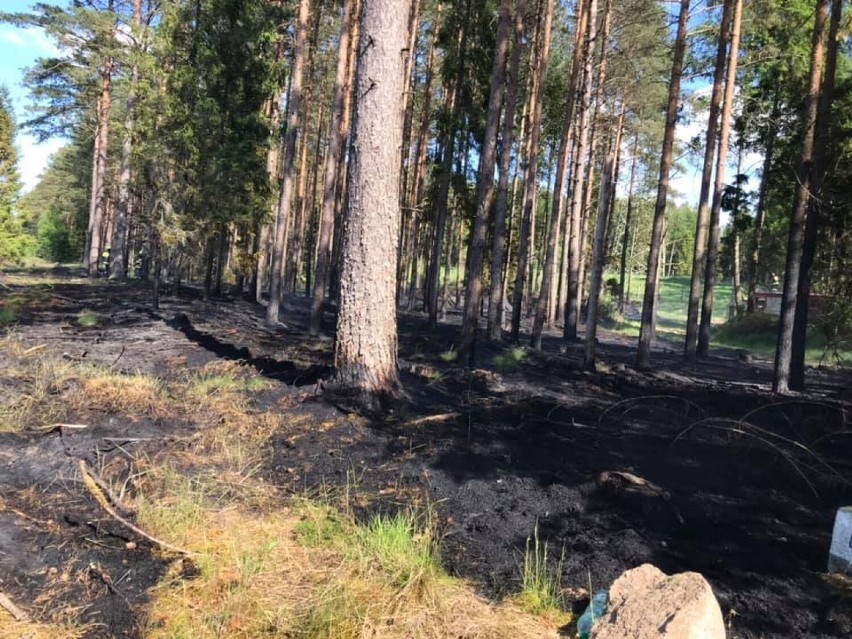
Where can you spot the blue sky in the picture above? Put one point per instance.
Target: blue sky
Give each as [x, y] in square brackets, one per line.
[19, 49]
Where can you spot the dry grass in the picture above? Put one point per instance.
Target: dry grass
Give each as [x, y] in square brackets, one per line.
[263, 566]
[11, 629]
[302, 568]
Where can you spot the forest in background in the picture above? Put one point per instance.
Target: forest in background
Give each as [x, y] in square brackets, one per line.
[210, 138]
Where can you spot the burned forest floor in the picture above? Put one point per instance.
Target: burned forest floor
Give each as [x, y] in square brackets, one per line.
[178, 473]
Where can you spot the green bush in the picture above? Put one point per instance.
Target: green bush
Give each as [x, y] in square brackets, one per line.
[54, 240]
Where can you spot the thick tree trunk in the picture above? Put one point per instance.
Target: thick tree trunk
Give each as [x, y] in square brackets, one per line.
[721, 161]
[282, 218]
[783, 353]
[365, 352]
[649, 302]
[607, 190]
[700, 252]
[542, 53]
[332, 160]
[485, 186]
[821, 142]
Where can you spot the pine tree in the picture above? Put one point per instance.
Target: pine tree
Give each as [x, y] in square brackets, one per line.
[365, 352]
[13, 240]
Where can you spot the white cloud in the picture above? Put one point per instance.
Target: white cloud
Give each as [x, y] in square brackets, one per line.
[33, 39]
[13, 37]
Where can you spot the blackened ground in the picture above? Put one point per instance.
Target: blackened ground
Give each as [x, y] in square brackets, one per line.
[727, 479]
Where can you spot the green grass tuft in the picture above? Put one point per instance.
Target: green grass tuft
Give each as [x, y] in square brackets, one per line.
[511, 359]
[541, 585]
[87, 319]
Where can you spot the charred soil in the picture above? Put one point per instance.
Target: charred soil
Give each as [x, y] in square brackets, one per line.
[689, 466]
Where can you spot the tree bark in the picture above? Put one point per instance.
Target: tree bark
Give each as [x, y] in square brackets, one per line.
[628, 219]
[118, 261]
[783, 353]
[498, 247]
[542, 53]
[760, 213]
[607, 189]
[545, 310]
[721, 160]
[700, 253]
[814, 214]
[365, 352]
[332, 160]
[282, 218]
[649, 302]
[575, 243]
[97, 205]
[485, 186]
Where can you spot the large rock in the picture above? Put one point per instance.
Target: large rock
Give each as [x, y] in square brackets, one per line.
[645, 603]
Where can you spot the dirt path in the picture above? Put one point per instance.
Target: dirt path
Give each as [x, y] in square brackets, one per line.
[690, 467]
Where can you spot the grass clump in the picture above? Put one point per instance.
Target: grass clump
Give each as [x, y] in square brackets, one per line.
[450, 355]
[320, 525]
[541, 585]
[8, 315]
[223, 378]
[403, 547]
[511, 359]
[87, 319]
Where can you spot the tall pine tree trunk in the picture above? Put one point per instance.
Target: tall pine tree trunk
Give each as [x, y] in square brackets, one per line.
[285, 195]
[649, 302]
[700, 252]
[542, 53]
[97, 205]
[721, 160]
[760, 213]
[485, 186]
[784, 349]
[607, 190]
[546, 299]
[118, 261]
[821, 141]
[498, 246]
[330, 171]
[575, 242]
[628, 220]
[365, 351]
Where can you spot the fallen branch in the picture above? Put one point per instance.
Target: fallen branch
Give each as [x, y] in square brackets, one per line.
[34, 349]
[12, 609]
[442, 417]
[107, 492]
[94, 489]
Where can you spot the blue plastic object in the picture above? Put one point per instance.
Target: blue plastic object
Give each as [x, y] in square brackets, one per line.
[595, 610]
